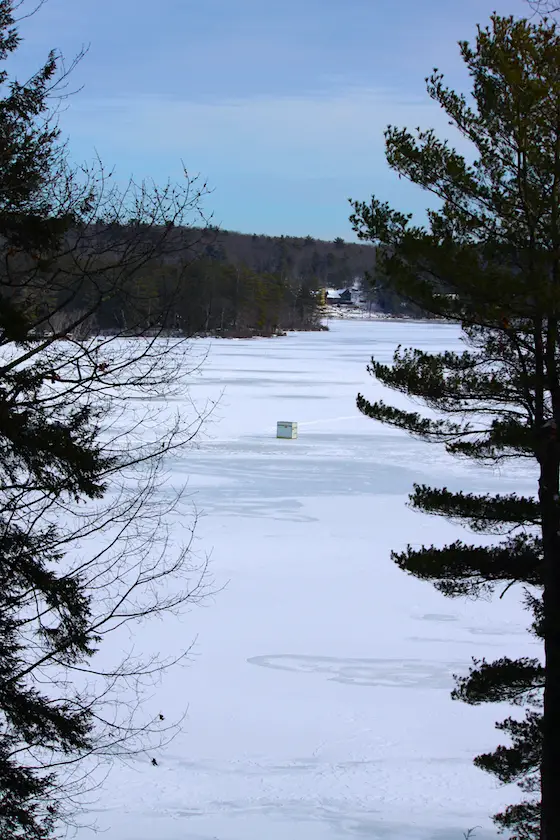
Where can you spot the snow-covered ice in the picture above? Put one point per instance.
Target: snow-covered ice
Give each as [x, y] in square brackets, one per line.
[318, 689]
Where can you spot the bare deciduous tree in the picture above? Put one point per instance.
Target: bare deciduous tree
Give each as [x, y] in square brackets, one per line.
[94, 541]
[544, 7]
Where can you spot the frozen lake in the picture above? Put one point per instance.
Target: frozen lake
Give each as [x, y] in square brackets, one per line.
[318, 689]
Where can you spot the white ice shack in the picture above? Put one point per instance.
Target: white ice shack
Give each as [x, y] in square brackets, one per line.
[286, 430]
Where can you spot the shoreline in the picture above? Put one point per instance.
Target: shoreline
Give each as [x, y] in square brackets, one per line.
[378, 316]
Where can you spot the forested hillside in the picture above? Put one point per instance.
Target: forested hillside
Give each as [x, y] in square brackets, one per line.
[221, 282]
[309, 264]
[334, 264]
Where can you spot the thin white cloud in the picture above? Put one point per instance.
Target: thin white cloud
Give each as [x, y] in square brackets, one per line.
[326, 135]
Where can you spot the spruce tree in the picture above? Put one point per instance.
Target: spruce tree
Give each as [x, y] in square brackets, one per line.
[51, 454]
[489, 259]
[75, 563]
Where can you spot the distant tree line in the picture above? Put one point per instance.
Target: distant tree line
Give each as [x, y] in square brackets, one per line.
[223, 298]
[318, 263]
[190, 289]
[333, 264]
[211, 281]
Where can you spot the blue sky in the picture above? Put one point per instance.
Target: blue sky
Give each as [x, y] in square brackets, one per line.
[279, 104]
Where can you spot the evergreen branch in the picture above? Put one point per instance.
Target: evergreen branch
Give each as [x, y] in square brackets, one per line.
[484, 514]
[507, 680]
[412, 422]
[458, 569]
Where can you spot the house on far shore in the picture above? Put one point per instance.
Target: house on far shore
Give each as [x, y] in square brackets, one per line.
[339, 297]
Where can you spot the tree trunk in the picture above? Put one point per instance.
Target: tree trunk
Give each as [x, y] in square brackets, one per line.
[550, 508]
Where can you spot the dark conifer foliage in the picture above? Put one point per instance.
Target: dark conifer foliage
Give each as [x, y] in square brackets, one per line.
[489, 259]
[77, 564]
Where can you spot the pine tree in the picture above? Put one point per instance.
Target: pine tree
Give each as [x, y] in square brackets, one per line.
[489, 259]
